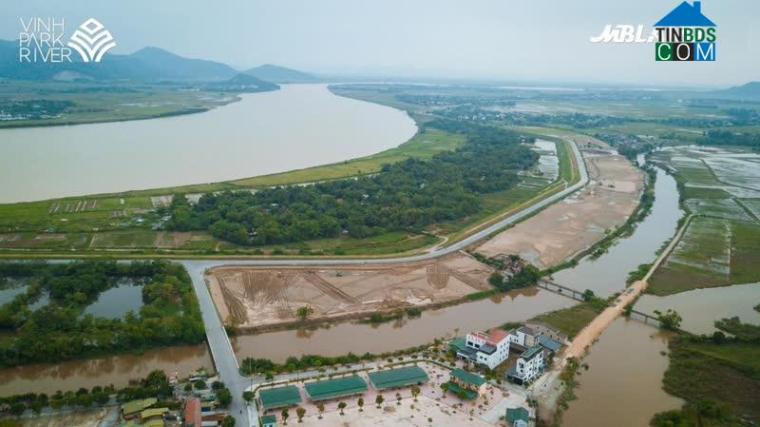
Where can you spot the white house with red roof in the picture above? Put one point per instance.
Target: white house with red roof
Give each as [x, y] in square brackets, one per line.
[486, 348]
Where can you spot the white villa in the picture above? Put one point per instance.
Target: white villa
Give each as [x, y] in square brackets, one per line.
[529, 366]
[489, 349]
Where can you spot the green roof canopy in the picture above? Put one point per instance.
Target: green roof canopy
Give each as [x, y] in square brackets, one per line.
[400, 377]
[514, 414]
[135, 406]
[333, 389]
[467, 377]
[268, 419]
[279, 397]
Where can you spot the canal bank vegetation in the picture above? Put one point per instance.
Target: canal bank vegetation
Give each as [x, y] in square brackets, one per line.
[718, 375]
[61, 330]
[572, 320]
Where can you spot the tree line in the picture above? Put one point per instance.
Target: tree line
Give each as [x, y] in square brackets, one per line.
[61, 330]
[404, 196]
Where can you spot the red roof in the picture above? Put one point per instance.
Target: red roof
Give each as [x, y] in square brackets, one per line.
[496, 335]
[193, 413]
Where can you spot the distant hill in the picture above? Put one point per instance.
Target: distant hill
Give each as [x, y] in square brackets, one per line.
[277, 74]
[748, 92]
[150, 64]
[241, 83]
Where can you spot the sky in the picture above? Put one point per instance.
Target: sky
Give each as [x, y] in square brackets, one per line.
[507, 40]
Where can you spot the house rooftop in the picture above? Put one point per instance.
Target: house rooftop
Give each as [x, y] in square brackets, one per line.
[336, 388]
[401, 377]
[515, 414]
[527, 330]
[135, 406]
[279, 397]
[268, 419]
[467, 377]
[549, 344]
[531, 352]
[497, 335]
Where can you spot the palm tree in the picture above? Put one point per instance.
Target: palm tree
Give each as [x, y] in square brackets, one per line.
[415, 392]
[285, 414]
[360, 402]
[321, 409]
[379, 400]
[342, 406]
[300, 412]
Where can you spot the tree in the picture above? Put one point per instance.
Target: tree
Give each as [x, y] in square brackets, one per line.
[248, 396]
[228, 421]
[670, 320]
[379, 400]
[360, 402]
[224, 397]
[321, 409]
[415, 392]
[285, 414]
[398, 398]
[588, 295]
[300, 412]
[304, 312]
[342, 406]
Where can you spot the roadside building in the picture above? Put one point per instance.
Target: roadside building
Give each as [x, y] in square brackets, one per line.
[467, 384]
[132, 409]
[152, 414]
[193, 413]
[489, 349]
[268, 421]
[526, 336]
[529, 366]
[545, 331]
[397, 378]
[279, 397]
[550, 346]
[518, 417]
[336, 388]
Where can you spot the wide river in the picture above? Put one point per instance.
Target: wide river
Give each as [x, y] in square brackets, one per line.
[295, 127]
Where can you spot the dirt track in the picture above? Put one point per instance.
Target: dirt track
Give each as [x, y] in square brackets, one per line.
[576, 223]
[250, 297]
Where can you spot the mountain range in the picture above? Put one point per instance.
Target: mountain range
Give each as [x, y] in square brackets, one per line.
[148, 65]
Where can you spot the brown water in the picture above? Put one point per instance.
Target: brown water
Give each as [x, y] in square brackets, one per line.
[623, 386]
[700, 308]
[116, 370]
[295, 127]
[361, 338]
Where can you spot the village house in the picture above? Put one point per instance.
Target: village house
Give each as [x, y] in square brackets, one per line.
[489, 349]
[529, 366]
[466, 383]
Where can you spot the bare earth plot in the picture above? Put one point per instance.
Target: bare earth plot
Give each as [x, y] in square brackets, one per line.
[250, 297]
[576, 223]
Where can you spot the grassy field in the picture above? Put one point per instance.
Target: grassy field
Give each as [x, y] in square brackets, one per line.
[727, 373]
[571, 320]
[722, 244]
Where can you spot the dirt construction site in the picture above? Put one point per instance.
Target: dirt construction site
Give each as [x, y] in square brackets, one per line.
[254, 298]
[576, 223]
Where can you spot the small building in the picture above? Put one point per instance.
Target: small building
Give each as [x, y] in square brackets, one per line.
[529, 366]
[526, 336]
[133, 408]
[193, 413]
[518, 417]
[397, 378]
[545, 331]
[469, 384]
[279, 397]
[153, 413]
[336, 388]
[268, 421]
[549, 345]
[489, 349]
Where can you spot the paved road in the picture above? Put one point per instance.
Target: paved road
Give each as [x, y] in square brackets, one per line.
[221, 348]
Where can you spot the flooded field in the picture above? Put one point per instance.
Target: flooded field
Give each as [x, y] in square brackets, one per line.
[116, 370]
[263, 133]
[700, 308]
[410, 332]
[623, 385]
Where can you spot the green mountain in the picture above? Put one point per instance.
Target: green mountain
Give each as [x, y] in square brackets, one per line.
[150, 64]
[277, 74]
[241, 83]
[747, 92]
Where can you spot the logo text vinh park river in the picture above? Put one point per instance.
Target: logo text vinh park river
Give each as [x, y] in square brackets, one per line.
[43, 40]
[684, 34]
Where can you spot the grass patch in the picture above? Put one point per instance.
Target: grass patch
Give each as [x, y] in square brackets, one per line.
[727, 373]
[570, 320]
